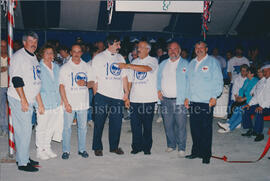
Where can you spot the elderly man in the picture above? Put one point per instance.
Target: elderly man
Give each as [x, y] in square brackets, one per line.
[259, 106]
[75, 79]
[3, 89]
[204, 85]
[111, 90]
[143, 96]
[22, 94]
[171, 87]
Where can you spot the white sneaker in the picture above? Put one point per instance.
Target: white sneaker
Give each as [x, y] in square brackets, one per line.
[91, 124]
[159, 119]
[239, 126]
[42, 155]
[168, 150]
[223, 131]
[181, 154]
[224, 126]
[50, 153]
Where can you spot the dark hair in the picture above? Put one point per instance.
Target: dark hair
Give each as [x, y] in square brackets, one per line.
[76, 44]
[64, 48]
[244, 66]
[252, 70]
[201, 41]
[111, 39]
[240, 47]
[171, 42]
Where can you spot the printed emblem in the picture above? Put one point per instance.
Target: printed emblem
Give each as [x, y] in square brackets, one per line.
[205, 68]
[115, 70]
[38, 71]
[236, 69]
[80, 76]
[141, 75]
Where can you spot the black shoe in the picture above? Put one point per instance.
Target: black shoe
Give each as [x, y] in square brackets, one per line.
[65, 156]
[147, 152]
[259, 137]
[192, 156]
[248, 133]
[118, 151]
[135, 151]
[206, 160]
[98, 153]
[28, 168]
[32, 162]
[84, 154]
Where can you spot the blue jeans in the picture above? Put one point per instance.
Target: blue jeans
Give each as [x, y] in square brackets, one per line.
[90, 110]
[82, 129]
[174, 120]
[236, 118]
[3, 110]
[22, 123]
[141, 118]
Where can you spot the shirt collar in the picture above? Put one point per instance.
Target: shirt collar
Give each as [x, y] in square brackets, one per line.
[110, 53]
[31, 54]
[143, 58]
[202, 59]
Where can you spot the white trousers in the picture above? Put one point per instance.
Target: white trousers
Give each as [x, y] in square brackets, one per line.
[49, 125]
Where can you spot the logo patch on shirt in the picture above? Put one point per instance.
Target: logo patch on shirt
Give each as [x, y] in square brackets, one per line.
[141, 75]
[205, 68]
[184, 70]
[80, 76]
[38, 71]
[115, 70]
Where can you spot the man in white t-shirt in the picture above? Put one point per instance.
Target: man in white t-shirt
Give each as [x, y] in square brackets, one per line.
[143, 96]
[234, 63]
[111, 90]
[23, 92]
[3, 89]
[75, 78]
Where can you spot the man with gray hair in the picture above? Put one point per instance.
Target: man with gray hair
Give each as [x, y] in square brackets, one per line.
[23, 93]
[143, 96]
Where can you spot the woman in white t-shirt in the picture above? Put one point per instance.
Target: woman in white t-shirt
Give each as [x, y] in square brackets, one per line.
[47, 126]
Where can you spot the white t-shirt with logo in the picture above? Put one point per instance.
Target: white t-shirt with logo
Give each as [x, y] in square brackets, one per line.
[70, 73]
[108, 75]
[234, 65]
[168, 81]
[144, 84]
[4, 75]
[23, 65]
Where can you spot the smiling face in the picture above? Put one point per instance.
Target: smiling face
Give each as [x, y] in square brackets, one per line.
[48, 55]
[174, 51]
[201, 50]
[115, 47]
[266, 73]
[143, 49]
[30, 44]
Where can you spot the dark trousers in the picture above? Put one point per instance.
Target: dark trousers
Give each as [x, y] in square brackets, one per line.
[258, 126]
[141, 125]
[201, 119]
[102, 107]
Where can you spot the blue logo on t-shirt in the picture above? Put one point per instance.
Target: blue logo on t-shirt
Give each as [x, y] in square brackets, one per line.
[38, 71]
[80, 76]
[115, 70]
[236, 69]
[141, 75]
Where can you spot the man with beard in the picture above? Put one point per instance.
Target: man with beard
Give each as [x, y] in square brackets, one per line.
[22, 94]
[204, 85]
[143, 96]
[171, 92]
[111, 90]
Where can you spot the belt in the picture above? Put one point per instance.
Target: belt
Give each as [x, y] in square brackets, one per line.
[170, 98]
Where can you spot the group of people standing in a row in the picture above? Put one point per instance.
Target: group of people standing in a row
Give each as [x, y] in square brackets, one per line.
[179, 86]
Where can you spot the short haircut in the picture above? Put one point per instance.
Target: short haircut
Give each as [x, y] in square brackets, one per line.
[253, 70]
[148, 45]
[240, 47]
[45, 47]
[200, 42]
[29, 33]
[111, 39]
[76, 44]
[244, 66]
[64, 48]
[172, 43]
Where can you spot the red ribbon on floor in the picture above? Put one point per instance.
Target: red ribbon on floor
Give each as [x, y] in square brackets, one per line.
[266, 148]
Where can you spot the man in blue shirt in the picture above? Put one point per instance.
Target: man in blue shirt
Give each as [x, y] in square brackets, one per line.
[204, 85]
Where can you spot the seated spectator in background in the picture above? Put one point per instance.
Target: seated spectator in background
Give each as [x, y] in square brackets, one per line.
[259, 106]
[242, 99]
[235, 62]
[237, 84]
[65, 56]
[48, 121]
